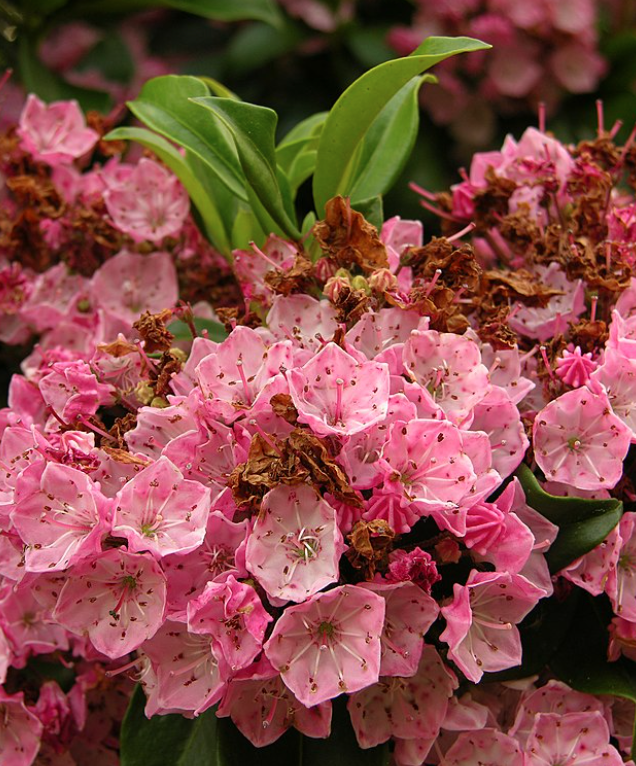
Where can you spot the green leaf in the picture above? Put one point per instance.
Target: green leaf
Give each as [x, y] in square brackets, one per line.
[215, 330]
[256, 45]
[388, 143]
[167, 739]
[253, 129]
[111, 57]
[165, 106]
[40, 80]
[214, 225]
[308, 128]
[302, 168]
[372, 209]
[357, 108]
[246, 229]
[583, 523]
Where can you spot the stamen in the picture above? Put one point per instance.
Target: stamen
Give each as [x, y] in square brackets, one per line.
[433, 282]
[265, 257]
[265, 437]
[542, 116]
[86, 422]
[546, 361]
[144, 356]
[594, 302]
[599, 116]
[461, 233]
[422, 191]
[338, 413]
[615, 128]
[246, 389]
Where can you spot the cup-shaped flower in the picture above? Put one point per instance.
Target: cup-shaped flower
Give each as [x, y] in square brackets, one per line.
[234, 616]
[60, 515]
[117, 599]
[578, 440]
[574, 739]
[481, 621]
[335, 394]
[160, 511]
[149, 204]
[296, 544]
[330, 644]
[263, 708]
[408, 708]
[55, 133]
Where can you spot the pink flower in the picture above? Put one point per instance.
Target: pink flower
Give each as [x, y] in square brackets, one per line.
[409, 614]
[621, 579]
[408, 708]
[129, 284]
[251, 266]
[415, 566]
[617, 376]
[295, 545]
[450, 366]
[262, 707]
[574, 739]
[161, 512]
[55, 134]
[234, 616]
[73, 391]
[303, 320]
[335, 394]
[330, 644]
[578, 440]
[481, 621]
[487, 746]
[149, 204]
[20, 731]
[575, 368]
[60, 515]
[118, 599]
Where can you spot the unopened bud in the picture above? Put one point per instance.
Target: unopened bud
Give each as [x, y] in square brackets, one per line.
[383, 281]
[324, 269]
[144, 392]
[335, 287]
[179, 354]
[159, 402]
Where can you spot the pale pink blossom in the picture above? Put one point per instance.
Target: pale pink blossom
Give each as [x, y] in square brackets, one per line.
[580, 739]
[20, 731]
[72, 390]
[55, 133]
[330, 644]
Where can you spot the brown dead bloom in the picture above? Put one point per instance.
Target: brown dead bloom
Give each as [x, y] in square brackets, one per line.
[371, 543]
[349, 238]
[152, 330]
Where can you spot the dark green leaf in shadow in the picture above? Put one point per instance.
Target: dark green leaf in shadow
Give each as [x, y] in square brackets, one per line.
[215, 331]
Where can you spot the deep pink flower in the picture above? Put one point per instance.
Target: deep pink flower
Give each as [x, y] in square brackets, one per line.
[72, 390]
[118, 599]
[335, 394]
[481, 621]
[55, 133]
[574, 368]
[149, 204]
[330, 644]
[234, 616]
[578, 440]
[415, 566]
[295, 545]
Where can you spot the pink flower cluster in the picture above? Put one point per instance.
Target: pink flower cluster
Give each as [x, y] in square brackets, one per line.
[542, 51]
[323, 503]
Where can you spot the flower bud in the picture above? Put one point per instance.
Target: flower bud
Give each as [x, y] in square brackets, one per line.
[383, 281]
[325, 268]
[335, 287]
[360, 283]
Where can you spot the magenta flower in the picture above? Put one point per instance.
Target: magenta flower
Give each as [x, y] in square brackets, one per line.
[60, 515]
[55, 133]
[161, 512]
[234, 616]
[408, 708]
[20, 731]
[330, 644]
[578, 440]
[262, 707]
[295, 545]
[481, 621]
[335, 394]
[117, 599]
[149, 204]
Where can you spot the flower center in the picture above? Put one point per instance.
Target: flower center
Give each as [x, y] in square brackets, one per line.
[304, 544]
[574, 443]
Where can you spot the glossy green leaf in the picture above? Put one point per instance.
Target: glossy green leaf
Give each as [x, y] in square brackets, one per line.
[388, 144]
[256, 45]
[212, 219]
[165, 106]
[302, 168]
[215, 330]
[310, 127]
[357, 108]
[372, 209]
[40, 80]
[167, 739]
[246, 229]
[253, 129]
[583, 523]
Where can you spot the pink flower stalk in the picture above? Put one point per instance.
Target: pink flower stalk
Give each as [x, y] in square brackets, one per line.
[481, 621]
[408, 708]
[262, 707]
[578, 440]
[55, 134]
[161, 512]
[328, 645]
[295, 545]
[149, 204]
[335, 394]
[117, 599]
[60, 515]
[234, 616]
